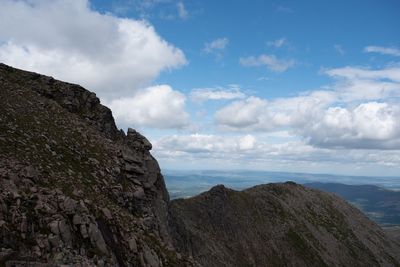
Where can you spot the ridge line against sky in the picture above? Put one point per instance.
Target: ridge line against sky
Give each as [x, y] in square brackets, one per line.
[259, 85]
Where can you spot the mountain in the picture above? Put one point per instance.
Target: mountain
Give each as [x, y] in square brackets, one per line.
[184, 183]
[75, 190]
[278, 225]
[379, 204]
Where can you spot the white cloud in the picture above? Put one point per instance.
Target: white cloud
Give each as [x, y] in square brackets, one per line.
[216, 46]
[258, 114]
[375, 120]
[383, 50]
[247, 142]
[70, 41]
[216, 93]
[361, 110]
[356, 73]
[369, 125]
[157, 106]
[248, 114]
[270, 61]
[248, 152]
[182, 12]
[278, 43]
[297, 111]
[206, 144]
[361, 90]
[357, 84]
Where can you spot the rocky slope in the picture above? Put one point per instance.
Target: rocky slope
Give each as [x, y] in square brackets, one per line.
[73, 188]
[76, 191]
[278, 225]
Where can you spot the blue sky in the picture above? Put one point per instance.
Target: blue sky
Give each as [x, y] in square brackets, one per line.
[311, 86]
[311, 30]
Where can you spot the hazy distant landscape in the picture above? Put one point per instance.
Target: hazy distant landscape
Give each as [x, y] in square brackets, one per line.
[377, 197]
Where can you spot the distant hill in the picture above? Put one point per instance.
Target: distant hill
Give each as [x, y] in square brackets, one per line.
[379, 204]
[191, 182]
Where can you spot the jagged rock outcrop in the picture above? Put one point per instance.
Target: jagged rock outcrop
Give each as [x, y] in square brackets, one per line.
[73, 188]
[277, 225]
[71, 97]
[76, 191]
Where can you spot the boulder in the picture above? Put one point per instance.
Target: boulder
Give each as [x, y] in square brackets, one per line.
[97, 238]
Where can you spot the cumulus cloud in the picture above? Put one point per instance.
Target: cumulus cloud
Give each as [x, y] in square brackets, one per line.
[370, 125]
[360, 111]
[200, 150]
[70, 41]
[270, 61]
[391, 51]
[360, 84]
[157, 106]
[248, 114]
[208, 144]
[216, 93]
[259, 114]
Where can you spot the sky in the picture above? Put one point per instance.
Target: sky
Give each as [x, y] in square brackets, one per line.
[298, 86]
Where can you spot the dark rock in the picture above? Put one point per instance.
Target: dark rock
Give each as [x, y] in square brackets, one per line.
[97, 238]
[137, 141]
[277, 225]
[129, 156]
[150, 257]
[139, 193]
[107, 213]
[133, 245]
[132, 168]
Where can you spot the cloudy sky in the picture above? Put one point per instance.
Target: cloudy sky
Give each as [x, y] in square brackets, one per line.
[310, 86]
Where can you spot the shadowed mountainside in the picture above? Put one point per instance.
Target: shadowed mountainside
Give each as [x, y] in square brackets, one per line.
[379, 204]
[277, 225]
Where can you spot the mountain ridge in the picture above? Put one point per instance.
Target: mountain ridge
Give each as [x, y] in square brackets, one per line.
[282, 224]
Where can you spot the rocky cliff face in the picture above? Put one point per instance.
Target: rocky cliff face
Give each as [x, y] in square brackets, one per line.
[76, 191]
[73, 188]
[278, 225]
